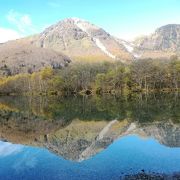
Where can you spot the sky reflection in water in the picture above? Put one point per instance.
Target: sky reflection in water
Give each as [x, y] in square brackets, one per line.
[128, 155]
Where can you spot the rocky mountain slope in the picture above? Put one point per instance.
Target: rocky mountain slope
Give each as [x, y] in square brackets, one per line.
[163, 43]
[82, 40]
[165, 38]
[21, 57]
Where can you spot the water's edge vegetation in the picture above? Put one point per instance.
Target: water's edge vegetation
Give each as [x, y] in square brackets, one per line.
[137, 107]
[97, 78]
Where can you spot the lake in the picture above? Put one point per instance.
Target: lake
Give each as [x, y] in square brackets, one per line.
[90, 138]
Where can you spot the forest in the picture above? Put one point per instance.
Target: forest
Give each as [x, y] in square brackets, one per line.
[97, 78]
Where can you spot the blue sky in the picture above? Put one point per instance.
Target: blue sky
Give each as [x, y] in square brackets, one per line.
[123, 18]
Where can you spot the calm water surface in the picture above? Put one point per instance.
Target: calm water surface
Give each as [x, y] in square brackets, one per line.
[90, 137]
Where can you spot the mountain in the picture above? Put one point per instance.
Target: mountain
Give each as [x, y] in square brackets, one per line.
[163, 43]
[21, 57]
[77, 39]
[165, 38]
[167, 133]
[81, 40]
[79, 140]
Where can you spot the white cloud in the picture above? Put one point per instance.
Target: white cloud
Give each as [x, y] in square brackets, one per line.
[22, 22]
[7, 149]
[8, 34]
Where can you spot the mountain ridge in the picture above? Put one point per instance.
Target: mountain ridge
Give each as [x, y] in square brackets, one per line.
[74, 36]
[77, 39]
[95, 42]
[163, 43]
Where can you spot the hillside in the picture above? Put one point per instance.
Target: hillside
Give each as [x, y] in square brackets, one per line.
[163, 43]
[21, 57]
[82, 40]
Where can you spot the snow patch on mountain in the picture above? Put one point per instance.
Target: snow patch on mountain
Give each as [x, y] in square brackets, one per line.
[84, 25]
[137, 55]
[103, 48]
[81, 25]
[130, 48]
[87, 27]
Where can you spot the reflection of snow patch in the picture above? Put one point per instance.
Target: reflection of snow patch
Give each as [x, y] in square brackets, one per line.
[106, 129]
[103, 48]
[7, 149]
[131, 128]
[90, 150]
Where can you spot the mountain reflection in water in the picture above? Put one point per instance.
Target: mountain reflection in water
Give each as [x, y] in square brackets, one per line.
[89, 137]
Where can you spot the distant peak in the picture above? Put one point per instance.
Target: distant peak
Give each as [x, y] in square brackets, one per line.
[169, 26]
[82, 21]
[74, 19]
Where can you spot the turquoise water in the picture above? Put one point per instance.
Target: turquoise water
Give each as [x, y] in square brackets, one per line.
[89, 138]
[128, 155]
